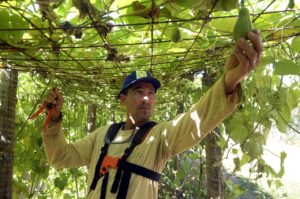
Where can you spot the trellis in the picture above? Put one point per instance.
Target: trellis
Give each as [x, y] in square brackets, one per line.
[92, 66]
[68, 60]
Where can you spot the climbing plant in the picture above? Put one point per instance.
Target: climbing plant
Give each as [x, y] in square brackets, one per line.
[86, 47]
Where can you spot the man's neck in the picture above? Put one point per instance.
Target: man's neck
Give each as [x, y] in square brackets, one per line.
[129, 125]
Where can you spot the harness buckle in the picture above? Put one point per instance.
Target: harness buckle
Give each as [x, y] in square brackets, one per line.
[108, 162]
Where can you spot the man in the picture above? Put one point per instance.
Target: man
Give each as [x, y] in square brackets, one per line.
[161, 142]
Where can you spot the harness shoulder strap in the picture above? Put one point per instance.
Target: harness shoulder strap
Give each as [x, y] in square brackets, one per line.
[137, 139]
[140, 135]
[110, 135]
[112, 132]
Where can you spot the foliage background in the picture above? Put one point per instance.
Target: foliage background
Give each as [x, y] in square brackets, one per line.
[87, 47]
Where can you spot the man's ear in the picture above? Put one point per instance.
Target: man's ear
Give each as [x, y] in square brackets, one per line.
[122, 98]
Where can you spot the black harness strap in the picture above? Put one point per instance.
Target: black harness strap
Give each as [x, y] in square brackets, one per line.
[139, 170]
[104, 186]
[111, 133]
[122, 193]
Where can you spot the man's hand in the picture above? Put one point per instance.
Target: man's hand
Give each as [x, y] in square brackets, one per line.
[243, 60]
[56, 99]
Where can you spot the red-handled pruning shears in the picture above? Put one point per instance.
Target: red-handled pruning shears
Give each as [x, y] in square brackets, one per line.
[49, 109]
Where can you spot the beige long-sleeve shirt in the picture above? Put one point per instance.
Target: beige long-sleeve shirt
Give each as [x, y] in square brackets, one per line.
[163, 141]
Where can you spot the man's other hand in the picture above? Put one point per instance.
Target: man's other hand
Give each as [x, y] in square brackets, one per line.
[245, 58]
[56, 99]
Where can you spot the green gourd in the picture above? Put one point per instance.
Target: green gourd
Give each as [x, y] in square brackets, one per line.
[175, 36]
[291, 4]
[243, 24]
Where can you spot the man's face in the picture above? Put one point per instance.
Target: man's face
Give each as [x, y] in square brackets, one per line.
[139, 101]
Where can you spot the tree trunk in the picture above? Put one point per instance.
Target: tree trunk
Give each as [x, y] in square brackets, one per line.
[8, 100]
[91, 117]
[178, 192]
[214, 181]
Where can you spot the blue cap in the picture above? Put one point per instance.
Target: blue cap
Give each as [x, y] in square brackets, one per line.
[136, 77]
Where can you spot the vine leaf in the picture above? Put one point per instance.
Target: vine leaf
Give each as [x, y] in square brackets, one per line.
[253, 148]
[60, 183]
[286, 67]
[282, 34]
[85, 8]
[140, 10]
[296, 44]
[238, 132]
[11, 20]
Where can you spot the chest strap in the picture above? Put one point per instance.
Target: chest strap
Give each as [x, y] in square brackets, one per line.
[114, 162]
[124, 168]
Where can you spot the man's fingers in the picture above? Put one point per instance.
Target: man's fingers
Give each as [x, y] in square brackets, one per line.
[54, 97]
[59, 96]
[248, 51]
[52, 100]
[231, 62]
[247, 54]
[256, 41]
[243, 60]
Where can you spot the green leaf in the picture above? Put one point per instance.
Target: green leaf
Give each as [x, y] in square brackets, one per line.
[253, 148]
[234, 151]
[286, 112]
[245, 159]
[267, 124]
[296, 44]
[74, 172]
[188, 4]
[266, 60]
[281, 125]
[98, 4]
[64, 8]
[68, 196]
[222, 142]
[269, 182]
[237, 164]
[10, 20]
[282, 32]
[237, 131]
[293, 97]
[224, 25]
[165, 12]
[176, 50]
[283, 155]
[60, 183]
[286, 67]
[123, 3]
[278, 183]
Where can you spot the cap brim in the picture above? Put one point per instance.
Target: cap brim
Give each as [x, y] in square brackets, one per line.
[151, 80]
